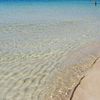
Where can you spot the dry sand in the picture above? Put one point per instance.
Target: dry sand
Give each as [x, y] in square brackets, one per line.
[89, 88]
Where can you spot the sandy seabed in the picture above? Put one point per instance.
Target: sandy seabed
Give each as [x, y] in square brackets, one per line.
[46, 61]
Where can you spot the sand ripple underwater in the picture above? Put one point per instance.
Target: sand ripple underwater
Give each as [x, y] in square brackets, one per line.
[45, 61]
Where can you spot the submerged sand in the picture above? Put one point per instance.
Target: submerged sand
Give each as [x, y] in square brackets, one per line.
[46, 61]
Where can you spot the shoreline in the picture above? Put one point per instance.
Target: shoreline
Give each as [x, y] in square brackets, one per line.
[45, 62]
[88, 88]
[62, 79]
[61, 88]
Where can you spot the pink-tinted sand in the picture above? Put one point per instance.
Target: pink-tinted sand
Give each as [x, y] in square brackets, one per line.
[89, 88]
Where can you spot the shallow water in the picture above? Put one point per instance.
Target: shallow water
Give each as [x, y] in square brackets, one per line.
[48, 11]
[46, 47]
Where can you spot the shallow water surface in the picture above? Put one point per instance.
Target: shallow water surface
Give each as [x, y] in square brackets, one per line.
[46, 47]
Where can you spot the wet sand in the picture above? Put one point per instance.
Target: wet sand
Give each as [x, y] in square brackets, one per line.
[89, 87]
[46, 61]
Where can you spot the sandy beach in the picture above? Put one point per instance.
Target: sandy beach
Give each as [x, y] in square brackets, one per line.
[41, 68]
[89, 87]
[46, 48]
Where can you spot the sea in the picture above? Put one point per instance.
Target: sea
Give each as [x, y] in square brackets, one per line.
[46, 47]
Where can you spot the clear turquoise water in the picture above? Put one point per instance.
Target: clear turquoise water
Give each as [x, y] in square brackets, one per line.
[41, 47]
[45, 11]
